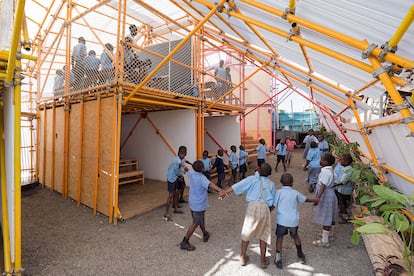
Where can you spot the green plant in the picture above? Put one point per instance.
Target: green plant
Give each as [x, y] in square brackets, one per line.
[396, 210]
[362, 176]
[363, 179]
[339, 146]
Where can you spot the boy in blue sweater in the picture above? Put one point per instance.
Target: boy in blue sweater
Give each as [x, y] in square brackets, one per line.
[198, 202]
[287, 214]
[220, 166]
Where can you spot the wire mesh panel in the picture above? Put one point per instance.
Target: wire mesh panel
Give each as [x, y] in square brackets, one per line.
[177, 74]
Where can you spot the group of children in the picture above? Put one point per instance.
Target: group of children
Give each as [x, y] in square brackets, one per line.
[236, 164]
[283, 151]
[262, 197]
[177, 168]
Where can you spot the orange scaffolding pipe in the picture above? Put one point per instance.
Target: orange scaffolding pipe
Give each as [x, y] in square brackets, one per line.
[98, 135]
[80, 161]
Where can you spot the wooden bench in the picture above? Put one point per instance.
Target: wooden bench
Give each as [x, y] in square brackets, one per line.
[128, 171]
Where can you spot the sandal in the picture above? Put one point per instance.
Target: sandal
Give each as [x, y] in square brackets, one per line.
[320, 243]
[167, 218]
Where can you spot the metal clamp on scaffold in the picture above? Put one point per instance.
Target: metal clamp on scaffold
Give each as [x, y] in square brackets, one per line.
[120, 98]
[287, 11]
[274, 57]
[407, 120]
[365, 131]
[401, 106]
[383, 69]
[219, 8]
[368, 52]
[386, 49]
[293, 31]
[232, 7]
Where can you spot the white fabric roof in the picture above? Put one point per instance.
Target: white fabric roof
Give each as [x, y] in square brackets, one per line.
[371, 21]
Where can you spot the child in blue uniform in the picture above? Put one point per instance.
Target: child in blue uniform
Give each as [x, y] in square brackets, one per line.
[343, 185]
[260, 192]
[281, 154]
[207, 164]
[313, 165]
[198, 202]
[242, 162]
[324, 212]
[287, 217]
[262, 149]
[234, 162]
[175, 170]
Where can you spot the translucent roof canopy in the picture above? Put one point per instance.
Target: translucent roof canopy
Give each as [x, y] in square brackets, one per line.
[329, 39]
[344, 55]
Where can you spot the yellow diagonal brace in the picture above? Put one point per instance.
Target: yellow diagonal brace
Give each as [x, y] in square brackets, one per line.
[402, 29]
[359, 44]
[238, 85]
[175, 50]
[317, 47]
[399, 173]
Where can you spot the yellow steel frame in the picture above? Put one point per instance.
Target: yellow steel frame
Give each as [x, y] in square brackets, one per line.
[202, 32]
[389, 82]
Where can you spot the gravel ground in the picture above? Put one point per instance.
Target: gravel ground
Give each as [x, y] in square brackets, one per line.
[59, 238]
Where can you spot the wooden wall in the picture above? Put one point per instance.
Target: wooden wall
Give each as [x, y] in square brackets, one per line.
[95, 190]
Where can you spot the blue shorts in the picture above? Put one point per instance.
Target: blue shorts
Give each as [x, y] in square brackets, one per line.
[172, 186]
[280, 158]
[198, 217]
[284, 230]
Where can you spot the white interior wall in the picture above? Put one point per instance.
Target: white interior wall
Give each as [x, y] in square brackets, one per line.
[225, 130]
[154, 156]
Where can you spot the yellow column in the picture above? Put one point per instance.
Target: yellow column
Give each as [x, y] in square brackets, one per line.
[402, 29]
[4, 204]
[17, 177]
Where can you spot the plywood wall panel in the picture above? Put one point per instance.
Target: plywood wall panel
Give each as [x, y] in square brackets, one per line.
[48, 143]
[89, 153]
[107, 136]
[59, 137]
[74, 151]
[41, 145]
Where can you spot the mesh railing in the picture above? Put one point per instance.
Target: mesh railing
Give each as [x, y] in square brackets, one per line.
[178, 75]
